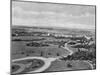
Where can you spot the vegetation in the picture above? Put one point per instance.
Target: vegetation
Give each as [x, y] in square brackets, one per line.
[45, 44]
[19, 39]
[69, 65]
[35, 44]
[82, 55]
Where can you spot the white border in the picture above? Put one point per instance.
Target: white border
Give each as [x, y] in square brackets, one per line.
[5, 37]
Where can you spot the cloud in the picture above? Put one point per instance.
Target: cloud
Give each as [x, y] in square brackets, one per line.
[21, 13]
[68, 16]
[50, 23]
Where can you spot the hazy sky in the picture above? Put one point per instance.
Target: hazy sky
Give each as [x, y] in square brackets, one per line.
[56, 15]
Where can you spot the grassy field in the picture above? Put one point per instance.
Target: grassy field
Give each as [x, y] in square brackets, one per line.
[19, 49]
[63, 66]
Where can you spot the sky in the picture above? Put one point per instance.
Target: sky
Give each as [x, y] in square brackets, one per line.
[53, 15]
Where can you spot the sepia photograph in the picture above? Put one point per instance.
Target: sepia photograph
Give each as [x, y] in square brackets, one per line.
[52, 37]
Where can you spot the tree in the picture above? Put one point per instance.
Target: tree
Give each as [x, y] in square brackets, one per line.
[58, 54]
[69, 65]
[41, 53]
[78, 49]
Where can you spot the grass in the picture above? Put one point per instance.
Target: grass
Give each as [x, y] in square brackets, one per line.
[63, 66]
[19, 49]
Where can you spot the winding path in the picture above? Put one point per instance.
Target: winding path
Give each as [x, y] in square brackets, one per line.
[89, 64]
[71, 52]
[22, 67]
[47, 61]
[66, 47]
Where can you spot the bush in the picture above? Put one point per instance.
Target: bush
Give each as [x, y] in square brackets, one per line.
[69, 65]
[17, 40]
[35, 44]
[82, 55]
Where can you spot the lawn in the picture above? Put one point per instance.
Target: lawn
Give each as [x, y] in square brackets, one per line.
[64, 66]
[19, 50]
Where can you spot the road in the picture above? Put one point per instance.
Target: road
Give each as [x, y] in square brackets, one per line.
[22, 67]
[66, 47]
[47, 61]
[71, 52]
[89, 64]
